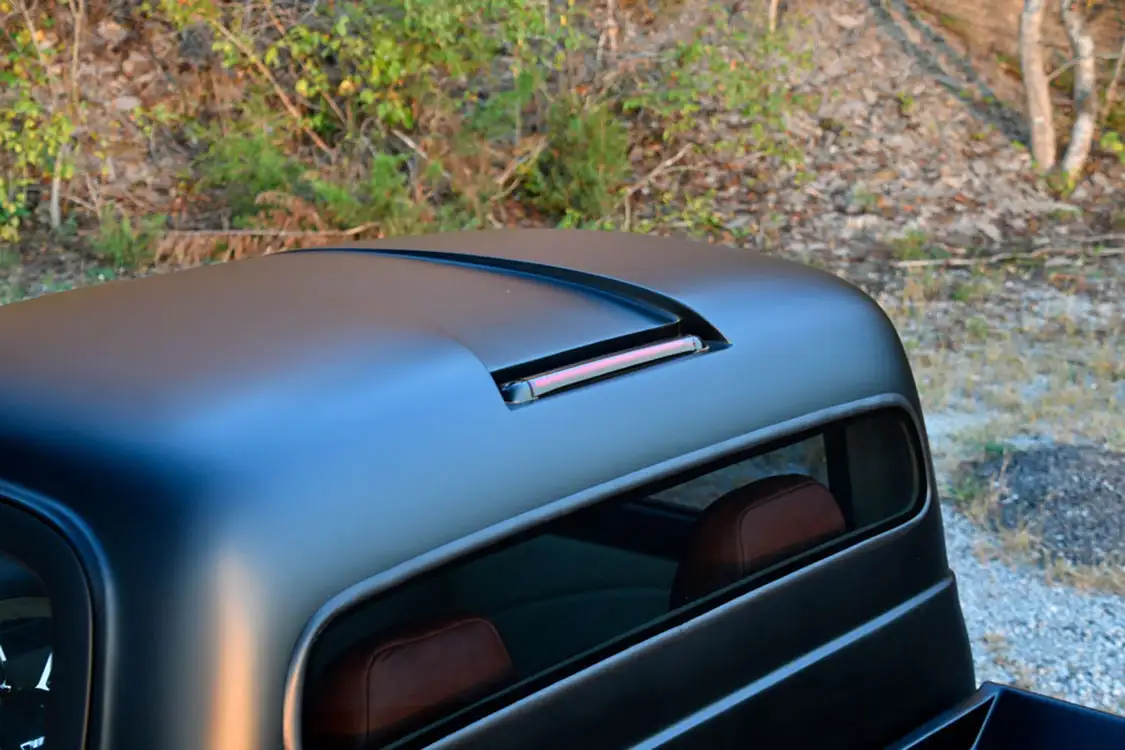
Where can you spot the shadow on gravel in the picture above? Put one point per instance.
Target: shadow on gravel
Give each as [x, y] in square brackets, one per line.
[988, 107]
[1070, 499]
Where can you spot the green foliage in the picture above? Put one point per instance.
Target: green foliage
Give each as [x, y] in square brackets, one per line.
[586, 164]
[9, 257]
[383, 197]
[32, 136]
[124, 244]
[1111, 142]
[906, 104]
[917, 245]
[865, 200]
[245, 165]
[727, 69]
[699, 217]
[391, 61]
[424, 114]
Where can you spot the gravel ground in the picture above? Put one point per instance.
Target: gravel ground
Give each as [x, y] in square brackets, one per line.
[1051, 639]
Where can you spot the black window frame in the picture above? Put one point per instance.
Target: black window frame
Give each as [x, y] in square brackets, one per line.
[834, 432]
[33, 540]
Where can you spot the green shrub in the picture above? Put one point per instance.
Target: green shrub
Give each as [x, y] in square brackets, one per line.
[383, 197]
[245, 165]
[585, 164]
[727, 68]
[126, 244]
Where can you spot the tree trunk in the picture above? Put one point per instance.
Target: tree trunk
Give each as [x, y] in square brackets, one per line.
[773, 15]
[1085, 89]
[1036, 86]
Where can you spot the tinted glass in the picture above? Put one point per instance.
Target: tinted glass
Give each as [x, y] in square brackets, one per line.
[806, 457]
[25, 657]
[453, 644]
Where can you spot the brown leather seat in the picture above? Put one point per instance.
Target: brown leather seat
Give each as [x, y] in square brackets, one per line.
[376, 691]
[753, 527]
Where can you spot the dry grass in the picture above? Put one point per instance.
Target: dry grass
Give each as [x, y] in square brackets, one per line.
[1015, 352]
[1007, 343]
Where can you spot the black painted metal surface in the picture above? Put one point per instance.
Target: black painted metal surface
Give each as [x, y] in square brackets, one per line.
[243, 442]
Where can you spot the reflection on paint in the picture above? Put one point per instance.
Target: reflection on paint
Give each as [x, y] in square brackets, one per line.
[233, 725]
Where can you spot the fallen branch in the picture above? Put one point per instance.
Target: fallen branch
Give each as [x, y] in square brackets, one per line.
[413, 146]
[1098, 238]
[998, 258]
[271, 233]
[662, 167]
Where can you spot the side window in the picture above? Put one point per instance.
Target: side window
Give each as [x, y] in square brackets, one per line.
[448, 647]
[25, 657]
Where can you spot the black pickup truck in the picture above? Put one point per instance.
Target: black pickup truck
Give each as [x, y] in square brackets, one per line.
[527, 489]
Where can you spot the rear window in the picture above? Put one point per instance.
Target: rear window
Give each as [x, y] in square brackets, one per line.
[805, 457]
[26, 656]
[448, 647]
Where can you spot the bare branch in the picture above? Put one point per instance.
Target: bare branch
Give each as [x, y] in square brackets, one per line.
[661, 168]
[1111, 92]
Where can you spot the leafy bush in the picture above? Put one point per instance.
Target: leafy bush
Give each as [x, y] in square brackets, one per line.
[725, 69]
[586, 164]
[32, 136]
[124, 244]
[404, 115]
[384, 197]
[391, 61]
[245, 165]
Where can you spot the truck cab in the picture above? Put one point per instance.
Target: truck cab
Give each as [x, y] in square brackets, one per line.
[515, 489]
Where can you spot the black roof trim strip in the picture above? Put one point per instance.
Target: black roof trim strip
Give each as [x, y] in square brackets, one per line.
[692, 323]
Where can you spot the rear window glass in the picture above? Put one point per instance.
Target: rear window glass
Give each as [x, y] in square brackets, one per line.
[441, 650]
[26, 658]
[805, 457]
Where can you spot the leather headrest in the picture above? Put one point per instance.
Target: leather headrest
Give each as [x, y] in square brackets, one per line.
[376, 691]
[753, 527]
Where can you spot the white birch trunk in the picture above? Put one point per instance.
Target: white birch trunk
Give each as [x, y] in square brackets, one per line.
[1040, 114]
[1085, 89]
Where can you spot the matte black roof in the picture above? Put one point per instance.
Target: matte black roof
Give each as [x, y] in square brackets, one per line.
[269, 385]
[341, 407]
